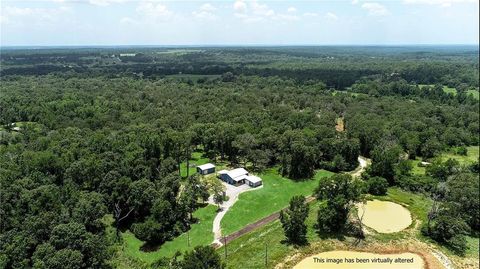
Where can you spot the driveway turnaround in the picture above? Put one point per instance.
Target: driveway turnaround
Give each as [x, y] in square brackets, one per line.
[232, 192]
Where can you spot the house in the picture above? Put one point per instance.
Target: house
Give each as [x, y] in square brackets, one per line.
[238, 177]
[235, 177]
[206, 169]
[253, 181]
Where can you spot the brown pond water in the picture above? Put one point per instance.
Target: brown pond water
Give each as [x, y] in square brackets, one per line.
[385, 217]
[361, 260]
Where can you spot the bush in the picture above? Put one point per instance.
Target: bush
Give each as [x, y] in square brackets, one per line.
[377, 185]
[449, 230]
[462, 151]
[417, 183]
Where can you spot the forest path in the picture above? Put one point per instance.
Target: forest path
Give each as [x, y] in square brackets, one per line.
[364, 163]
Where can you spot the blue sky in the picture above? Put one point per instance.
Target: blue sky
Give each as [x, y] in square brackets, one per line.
[237, 22]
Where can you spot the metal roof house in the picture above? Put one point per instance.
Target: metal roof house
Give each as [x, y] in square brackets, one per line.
[238, 177]
[206, 169]
[235, 177]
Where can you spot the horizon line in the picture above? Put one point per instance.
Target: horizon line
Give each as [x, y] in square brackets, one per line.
[243, 45]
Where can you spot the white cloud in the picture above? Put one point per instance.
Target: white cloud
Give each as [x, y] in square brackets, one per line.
[101, 3]
[154, 11]
[261, 9]
[286, 17]
[375, 9]
[240, 6]
[443, 3]
[252, 11]
[206, 12]
[292, 9]
[128, 20]
[310, 14]
[208, 7]
[354, 2]
[331, 16]
[13, 14]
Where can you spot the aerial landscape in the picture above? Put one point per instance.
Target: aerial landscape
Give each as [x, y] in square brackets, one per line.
[154, 146]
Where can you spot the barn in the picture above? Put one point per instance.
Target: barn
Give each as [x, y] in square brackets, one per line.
[206, 169]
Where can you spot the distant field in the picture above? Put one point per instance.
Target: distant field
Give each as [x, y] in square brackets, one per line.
[200, 234]
[274, 195]
[178, 52]
[474, 93]
[192, 77]
[472, 155]
[453, 91]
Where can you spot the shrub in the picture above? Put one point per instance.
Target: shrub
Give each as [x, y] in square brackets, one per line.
[377, 185]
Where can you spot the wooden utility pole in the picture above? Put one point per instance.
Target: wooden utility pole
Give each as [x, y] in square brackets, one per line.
[225, 247]
[266, 255]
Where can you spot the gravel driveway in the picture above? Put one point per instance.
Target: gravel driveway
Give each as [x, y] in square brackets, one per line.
[232, 192]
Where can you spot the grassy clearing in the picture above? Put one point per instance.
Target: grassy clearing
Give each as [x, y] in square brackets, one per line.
[472, 155]
[417, 170]
[445, 88]
[354, 94]
[248, 251]
[473, 247]
[199, 234]
[192, 77]
[196, 160]
[474, 93]
[275, 195]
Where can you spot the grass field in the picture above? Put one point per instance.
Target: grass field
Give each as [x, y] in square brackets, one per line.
[274, 195]
[248, 251]
[472, 155]
[474, 93]
[473, 247]
[417, 170]
[199, 234]
[192, 77]
[196, 160]
[453, 91]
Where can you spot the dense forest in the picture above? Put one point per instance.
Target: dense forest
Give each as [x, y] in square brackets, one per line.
[89, 132]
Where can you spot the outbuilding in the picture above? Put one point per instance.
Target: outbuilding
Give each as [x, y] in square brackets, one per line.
[253, 181]
[206, 169]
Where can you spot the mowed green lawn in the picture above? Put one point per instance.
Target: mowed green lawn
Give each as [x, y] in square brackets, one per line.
[274, 196]
[196, 160]
[472, 155]
[248, 251]
[417, 170]
[199, 234]
[473, 247]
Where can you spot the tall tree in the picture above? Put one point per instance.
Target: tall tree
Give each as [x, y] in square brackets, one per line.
[293, 220]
